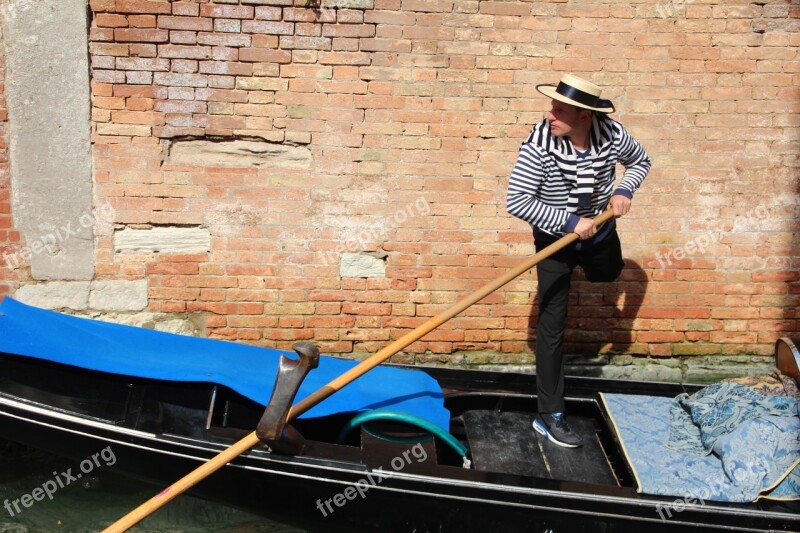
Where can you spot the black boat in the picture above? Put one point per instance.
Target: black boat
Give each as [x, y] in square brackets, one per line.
[371, 470]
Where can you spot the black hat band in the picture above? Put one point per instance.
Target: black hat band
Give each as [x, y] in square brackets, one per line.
[577, 95]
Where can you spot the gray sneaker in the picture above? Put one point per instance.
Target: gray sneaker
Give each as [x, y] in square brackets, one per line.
[554, 426]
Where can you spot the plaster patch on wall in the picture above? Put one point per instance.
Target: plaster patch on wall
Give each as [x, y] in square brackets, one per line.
[237, 154]
[171, 240]
[363, 265]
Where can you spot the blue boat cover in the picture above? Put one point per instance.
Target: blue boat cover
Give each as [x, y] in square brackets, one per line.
[249, 370]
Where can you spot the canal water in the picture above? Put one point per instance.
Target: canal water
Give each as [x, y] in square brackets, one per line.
[95, 501]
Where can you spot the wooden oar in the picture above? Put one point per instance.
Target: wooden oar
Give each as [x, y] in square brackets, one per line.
[251, 440]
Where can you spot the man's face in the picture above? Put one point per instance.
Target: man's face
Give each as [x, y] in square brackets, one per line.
[565, 118]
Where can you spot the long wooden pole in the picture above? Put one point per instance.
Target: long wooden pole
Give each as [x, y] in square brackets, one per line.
[251, 440]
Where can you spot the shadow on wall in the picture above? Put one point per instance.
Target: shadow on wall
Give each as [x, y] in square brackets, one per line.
[791, 309]
[601, 315]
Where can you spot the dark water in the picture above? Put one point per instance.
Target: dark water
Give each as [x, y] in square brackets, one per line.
[98, 499]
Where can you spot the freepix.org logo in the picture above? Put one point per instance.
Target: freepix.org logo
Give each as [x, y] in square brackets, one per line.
[51, 241]
[361, 239]
[60, 480]
[700, 244]
[373, 479]
[673, 8]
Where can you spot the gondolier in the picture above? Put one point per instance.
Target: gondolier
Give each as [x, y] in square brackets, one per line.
[564, 176]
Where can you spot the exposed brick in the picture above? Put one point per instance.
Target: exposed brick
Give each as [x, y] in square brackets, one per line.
[141, 35]
[268, 27]
[185, 23]
[142, 63]
[180, 80]
[111, 20]
[227, 12]
[265, 55]
[224, 39]
[184, 52]
[142, 21]
[188, 9]
[143, 6]
[102, 5]
[142, 50]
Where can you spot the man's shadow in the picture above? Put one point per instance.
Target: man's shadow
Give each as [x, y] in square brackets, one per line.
[600, 318]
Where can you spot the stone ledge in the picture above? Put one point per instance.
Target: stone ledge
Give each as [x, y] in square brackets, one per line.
[104, 295]
[702, 371]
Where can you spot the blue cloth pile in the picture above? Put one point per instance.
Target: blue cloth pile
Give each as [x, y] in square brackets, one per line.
[727, 442]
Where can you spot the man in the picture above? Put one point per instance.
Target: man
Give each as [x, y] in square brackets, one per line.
[564, 176]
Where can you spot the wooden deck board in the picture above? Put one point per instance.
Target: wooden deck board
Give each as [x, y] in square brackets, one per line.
[505, 442]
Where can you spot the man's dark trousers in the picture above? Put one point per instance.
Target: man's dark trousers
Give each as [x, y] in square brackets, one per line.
[601, 262]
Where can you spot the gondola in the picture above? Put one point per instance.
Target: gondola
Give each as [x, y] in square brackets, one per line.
[379, 467]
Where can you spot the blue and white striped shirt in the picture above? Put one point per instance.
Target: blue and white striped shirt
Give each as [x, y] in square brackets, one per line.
[551, 187]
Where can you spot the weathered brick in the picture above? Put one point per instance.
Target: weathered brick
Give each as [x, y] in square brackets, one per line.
[189, 9]
[184, 52]
[124, 129]
[268, 27]
[182, 37]
[142, 21]
[180, 106]
[224, 39]
[142, 63]
[137, 117]
[111, 20]
[180, 80]
[143, 6]
[143, 50]
[227, 12]
[265, 55]
[185, 23]
[141, 35]
[227, 25]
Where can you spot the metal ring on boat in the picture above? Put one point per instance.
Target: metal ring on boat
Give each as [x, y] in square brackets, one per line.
[787, 357]
[399, 416]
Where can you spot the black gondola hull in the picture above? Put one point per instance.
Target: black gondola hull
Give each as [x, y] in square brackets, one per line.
[348, 487]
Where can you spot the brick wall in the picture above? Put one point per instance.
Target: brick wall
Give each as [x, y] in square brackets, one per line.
[9, 238]
[411, 113]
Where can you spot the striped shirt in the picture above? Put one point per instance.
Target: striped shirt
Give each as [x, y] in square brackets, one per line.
[552, 185]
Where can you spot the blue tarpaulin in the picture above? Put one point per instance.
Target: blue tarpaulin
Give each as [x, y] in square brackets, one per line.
[249, 370]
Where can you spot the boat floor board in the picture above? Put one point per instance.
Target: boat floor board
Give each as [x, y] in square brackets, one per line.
[505, 442]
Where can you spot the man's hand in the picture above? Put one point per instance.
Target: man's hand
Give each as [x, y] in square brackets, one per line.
[620, 204]
[585, 228]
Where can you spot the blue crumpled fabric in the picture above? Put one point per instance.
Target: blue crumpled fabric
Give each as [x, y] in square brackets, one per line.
[699, 420]
[758, 459]
[763, 454]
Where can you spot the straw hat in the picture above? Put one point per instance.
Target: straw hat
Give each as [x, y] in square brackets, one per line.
[578, 92]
